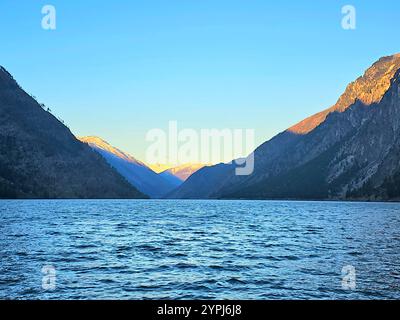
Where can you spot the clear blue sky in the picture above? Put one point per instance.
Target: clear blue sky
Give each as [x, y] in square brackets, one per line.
[119, 68]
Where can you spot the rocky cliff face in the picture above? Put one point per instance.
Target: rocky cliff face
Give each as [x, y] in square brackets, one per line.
[368, 89]
[40, 158]
[347, 151]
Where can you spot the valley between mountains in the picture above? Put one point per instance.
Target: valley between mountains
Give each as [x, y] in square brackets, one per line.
[349, 151]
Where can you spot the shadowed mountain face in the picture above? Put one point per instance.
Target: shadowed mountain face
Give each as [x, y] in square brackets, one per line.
[40, 157]
[136, 172]
[350, 150]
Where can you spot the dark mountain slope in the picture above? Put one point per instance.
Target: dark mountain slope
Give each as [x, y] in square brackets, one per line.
[205, 182]
[40, 157]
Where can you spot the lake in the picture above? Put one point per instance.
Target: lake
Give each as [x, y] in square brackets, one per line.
[172, 249]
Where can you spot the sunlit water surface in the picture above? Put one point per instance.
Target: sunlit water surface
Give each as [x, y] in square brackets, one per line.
[198, 249]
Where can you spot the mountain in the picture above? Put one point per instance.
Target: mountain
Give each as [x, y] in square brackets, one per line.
[136, 172]
[171, 178]
[184, 171]
[348, 151]
[176, 175]
[158, 168]
[206, 181]
[41, 158]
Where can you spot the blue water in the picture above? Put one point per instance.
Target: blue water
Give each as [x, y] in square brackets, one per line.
[198, 249]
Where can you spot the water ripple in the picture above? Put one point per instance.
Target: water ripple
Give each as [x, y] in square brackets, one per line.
[123, 249]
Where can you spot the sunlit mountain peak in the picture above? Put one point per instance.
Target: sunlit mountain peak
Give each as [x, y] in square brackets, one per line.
[98, 142]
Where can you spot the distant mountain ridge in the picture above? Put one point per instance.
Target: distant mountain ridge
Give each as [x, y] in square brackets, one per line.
[136, 172]
[184, 171]
[41, 158]
[98, 142]
[349, 151]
